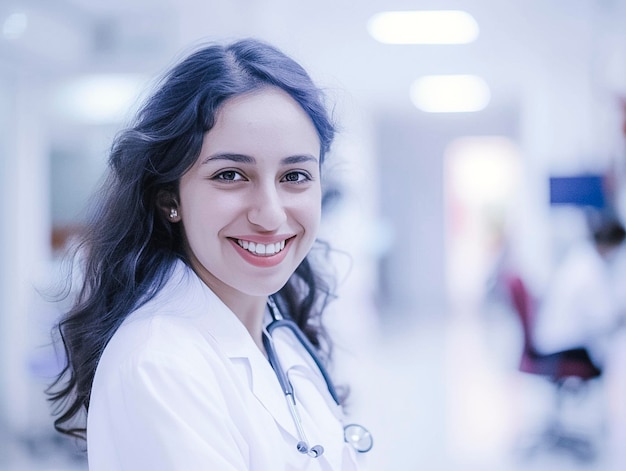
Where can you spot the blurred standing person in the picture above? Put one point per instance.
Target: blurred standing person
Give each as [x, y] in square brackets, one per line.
[200, 246]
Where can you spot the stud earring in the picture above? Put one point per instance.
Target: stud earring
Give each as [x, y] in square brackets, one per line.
[173, 213]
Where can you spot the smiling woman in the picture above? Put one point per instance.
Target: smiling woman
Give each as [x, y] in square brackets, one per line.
[260, 194]
[211, 208]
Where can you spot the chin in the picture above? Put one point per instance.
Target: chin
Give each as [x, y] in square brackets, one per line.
[264, 289]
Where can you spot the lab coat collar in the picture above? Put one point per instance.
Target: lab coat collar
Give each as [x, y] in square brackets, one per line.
[216, 320]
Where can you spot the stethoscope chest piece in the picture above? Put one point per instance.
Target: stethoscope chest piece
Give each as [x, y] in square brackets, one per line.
[358, 437]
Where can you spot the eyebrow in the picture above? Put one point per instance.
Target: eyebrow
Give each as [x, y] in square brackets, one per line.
[246, 159]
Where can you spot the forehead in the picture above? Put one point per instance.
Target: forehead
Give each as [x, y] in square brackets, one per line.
[265, 119]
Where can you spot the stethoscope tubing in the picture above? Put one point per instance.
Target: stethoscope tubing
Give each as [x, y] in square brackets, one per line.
[306, 343]
[303, 445]
[279, 321]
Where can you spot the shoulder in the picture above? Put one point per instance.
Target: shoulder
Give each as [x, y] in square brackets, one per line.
[185, 332]
[152, 349]
[182, 295]
[168, 328]
[156, 360]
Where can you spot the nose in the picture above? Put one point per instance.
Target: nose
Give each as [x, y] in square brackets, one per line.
[267, 208]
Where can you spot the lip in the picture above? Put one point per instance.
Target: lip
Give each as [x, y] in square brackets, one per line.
[263, 261]
[263, 239]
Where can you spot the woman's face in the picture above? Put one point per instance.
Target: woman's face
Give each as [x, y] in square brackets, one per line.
[250, 205]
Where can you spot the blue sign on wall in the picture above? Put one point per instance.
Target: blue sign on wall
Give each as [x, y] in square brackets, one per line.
[579, 190]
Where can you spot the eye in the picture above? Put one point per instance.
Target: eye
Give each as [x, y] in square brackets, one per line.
[296, 177]
[228, 175]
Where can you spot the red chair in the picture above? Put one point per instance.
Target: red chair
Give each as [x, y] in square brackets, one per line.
[562, 368]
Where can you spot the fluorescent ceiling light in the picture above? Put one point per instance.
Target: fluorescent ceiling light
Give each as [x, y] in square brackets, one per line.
[99, 99]
[450, 93]
[423, 27]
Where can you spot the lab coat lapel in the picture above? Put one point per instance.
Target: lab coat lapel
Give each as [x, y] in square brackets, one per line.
[267, 390]
[252, 367]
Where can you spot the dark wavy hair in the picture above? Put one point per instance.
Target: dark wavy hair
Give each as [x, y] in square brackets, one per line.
[128, 248]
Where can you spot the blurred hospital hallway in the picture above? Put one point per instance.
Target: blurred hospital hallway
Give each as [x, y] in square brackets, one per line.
[437, 396]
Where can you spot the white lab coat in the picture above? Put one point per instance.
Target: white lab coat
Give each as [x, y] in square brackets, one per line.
[182, 386]
[584, 303]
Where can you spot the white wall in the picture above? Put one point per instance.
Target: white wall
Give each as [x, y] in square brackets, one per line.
[26, 238]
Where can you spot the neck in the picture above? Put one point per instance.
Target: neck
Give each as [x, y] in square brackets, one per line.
[250, 311]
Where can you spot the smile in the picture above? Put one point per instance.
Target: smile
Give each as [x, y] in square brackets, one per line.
[263, 250]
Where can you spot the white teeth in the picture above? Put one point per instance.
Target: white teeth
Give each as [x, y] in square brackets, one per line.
[261, 249]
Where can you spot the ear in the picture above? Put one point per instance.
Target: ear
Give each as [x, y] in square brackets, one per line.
[167, 204]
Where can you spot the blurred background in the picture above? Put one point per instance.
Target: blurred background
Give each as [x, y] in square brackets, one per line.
[477, 147]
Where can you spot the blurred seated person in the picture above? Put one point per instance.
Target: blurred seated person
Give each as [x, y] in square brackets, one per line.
[586, 300]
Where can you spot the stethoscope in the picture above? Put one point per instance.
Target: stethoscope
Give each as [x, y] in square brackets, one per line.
[355, 435]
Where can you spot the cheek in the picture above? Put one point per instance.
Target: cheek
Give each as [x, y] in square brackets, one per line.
[198, 218]
[199, 205]
[310, 217]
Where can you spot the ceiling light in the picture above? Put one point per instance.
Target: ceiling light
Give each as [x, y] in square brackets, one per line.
[423, 27]
[450, 93]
